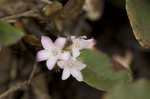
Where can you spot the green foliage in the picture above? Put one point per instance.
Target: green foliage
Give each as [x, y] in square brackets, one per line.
[98, 73]
[139, 15]
[137, 90]
[8, 34]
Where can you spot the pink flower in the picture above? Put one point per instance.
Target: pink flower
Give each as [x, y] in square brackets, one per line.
[81, 43]
[52, 51]
[71, 67]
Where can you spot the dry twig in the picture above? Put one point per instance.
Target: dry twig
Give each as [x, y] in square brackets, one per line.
[32, 73]
[20, 85]
[14, 88]
[13, 18]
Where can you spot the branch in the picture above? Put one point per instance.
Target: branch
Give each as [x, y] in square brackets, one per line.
[23, 14]
[32, 73]
[14, 88]
[20, 85]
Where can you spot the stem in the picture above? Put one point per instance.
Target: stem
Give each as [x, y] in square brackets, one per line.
[14, 88]
[32, 73]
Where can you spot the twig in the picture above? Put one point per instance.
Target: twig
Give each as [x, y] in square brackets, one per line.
[47, 1]
[23, 14]
[18, 86]
[32, 73]
[30, 13]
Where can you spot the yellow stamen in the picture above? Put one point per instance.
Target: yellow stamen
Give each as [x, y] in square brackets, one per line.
[70, 64]
[55, 52]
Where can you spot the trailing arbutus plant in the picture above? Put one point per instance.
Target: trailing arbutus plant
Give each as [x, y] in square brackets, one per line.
[53, 38]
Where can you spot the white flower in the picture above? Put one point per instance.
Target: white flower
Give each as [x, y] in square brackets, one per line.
[81, 43]
[71, 67]
[52, 51]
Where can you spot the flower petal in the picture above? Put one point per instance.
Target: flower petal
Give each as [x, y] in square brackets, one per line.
[73, 38]
[51, 63]
[64, 56]
[79, 65]
[83, 37]
[61, 64]
[75, 52]
[60, 42]
[87, 43]
[42, 55]
[65, 74]
[77, 74]
[46, 42]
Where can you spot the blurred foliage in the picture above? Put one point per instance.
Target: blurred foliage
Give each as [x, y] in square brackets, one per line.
[2, 1]
[8, 34]
[136, 90]
[98, 73]
[138, 11]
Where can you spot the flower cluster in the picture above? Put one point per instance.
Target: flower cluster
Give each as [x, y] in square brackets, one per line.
[54, 53]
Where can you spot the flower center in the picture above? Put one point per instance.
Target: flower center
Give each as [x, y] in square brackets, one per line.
[55, 52]
[70, 64]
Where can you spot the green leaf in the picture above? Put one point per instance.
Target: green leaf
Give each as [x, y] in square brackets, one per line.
[139, 16]
[137, 90]
[8, 34]
[98, 73]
